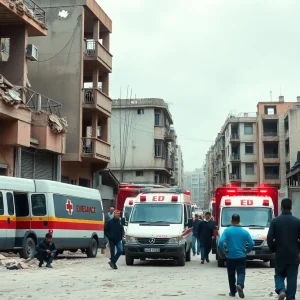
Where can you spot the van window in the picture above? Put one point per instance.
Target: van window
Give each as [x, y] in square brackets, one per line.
[22, 206]
[1, 205]
[185, 215]
[38, 204]
[10, 204]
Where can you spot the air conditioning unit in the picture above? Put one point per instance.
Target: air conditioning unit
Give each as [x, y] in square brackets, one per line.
[32, 52]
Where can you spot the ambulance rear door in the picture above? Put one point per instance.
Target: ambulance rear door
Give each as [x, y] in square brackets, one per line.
[11, 220]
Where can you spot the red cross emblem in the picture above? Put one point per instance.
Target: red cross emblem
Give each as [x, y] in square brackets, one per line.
[69, 207]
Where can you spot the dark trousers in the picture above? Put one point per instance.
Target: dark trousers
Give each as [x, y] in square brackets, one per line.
[115, 256]
[290, 272]
[48, 259]
[237, 266]
[205, 252]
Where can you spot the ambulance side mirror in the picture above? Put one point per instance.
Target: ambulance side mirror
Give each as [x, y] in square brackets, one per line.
[123, 222]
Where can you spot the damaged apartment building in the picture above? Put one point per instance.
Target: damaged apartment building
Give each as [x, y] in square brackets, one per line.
[75, 63]
[32, 135]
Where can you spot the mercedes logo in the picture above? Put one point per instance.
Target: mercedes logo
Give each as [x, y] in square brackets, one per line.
[152, 241]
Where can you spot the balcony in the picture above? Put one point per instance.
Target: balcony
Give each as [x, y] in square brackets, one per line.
[235, 157]
[169, 136]
[271, 158]
[95, 149]
[94, 99]
[95, 51]
[234, 177]
[234, 137]
[169, 164]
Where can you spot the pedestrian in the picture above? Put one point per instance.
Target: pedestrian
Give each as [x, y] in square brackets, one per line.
[115, 232]
[238, 242]
[283, 240]
[206, 235]
[46, 251]
[195, 236]
[110, 214]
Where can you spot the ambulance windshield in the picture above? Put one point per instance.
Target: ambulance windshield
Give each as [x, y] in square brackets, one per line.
[254, 217]
[127, 212]
[157, 214]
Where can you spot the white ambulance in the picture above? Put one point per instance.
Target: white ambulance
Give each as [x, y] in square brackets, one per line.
[256, 213]
[31, 208]
[160, 226]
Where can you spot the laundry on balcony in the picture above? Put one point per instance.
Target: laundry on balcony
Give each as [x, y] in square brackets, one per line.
[11, 94]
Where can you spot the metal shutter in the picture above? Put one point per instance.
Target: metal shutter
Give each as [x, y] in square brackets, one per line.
[45, 166]
[27, 164]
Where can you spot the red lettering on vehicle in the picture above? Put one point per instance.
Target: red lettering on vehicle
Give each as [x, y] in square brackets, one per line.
[161, 198]
[246, 202]
[155, 198]
[87, 209]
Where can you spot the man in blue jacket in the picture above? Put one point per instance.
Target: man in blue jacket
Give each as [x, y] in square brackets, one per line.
[195, 237]
[238, 243]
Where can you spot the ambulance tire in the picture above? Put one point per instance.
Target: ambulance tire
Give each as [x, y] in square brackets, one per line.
[188, 255]
[29, 248]
[221, 262]
[129, 260]
[272, 263]
[181, 260]
[92, 251]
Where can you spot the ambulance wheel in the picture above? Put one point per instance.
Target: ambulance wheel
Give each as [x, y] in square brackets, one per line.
[29, 248]
[129, 260]
[221, 262]
[188, 255]
[272, 263]
[91, 252]
[181, 260]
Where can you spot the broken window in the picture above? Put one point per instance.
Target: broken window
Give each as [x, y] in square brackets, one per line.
[4, 49]
[270, 110]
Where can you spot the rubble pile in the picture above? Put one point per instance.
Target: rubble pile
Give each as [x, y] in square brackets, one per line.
[13, 262]
[22, 9]
[10, 93]
[57, 124]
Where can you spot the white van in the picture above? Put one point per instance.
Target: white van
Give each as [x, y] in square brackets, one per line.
[160, 226]
[31, 208]
[256, 213]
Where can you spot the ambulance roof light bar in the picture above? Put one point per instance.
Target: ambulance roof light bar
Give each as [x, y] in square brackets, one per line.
[143, 198]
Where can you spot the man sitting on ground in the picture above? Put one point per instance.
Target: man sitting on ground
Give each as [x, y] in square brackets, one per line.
[46, 251]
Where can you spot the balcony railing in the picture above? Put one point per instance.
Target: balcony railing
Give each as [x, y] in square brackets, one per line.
[169, 135]
[235, 136]
[235, 156]
[37, 11]
[234, 176]
[271, 155]
[37, 102]
[93, 147]
[271, 176]
[96, 49]
[96, 97]
[270, 133]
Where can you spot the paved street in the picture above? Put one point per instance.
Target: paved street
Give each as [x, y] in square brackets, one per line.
[81, 278]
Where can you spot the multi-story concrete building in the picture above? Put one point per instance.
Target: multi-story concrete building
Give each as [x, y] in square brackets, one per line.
[32, 136]
[195, 182]
[143, 141]
[272, 141]
[210, 189]
[234, 152]
[179, 167]
[73, 67]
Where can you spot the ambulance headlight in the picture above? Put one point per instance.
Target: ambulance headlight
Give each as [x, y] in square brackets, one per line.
[130, 240]
[176, 240]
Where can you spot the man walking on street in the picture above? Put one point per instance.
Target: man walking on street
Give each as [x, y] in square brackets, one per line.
[238, 243]
[283, 240]
[206, 235]
[114, 232]
[195, 237]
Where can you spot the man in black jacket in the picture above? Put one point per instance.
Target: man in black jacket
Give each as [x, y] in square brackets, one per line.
[283, 240]
[46, 251]
[114, 232]
[206, 235]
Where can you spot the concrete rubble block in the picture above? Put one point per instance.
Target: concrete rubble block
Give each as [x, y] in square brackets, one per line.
[2, 257]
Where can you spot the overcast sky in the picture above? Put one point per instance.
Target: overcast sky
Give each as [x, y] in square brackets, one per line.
[206, 57]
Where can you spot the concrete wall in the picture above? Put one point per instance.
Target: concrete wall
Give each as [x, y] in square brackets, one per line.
[76, 170]
[130, 176]
[294, 134]
[60, 77]
[140, 152]
[15, 70]
[7, 158]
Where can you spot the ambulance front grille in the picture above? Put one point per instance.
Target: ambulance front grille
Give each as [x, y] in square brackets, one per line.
[152, 241]
[258, 243]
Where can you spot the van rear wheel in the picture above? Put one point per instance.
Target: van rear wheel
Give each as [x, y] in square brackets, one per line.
[28, 248]
[92, 251]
